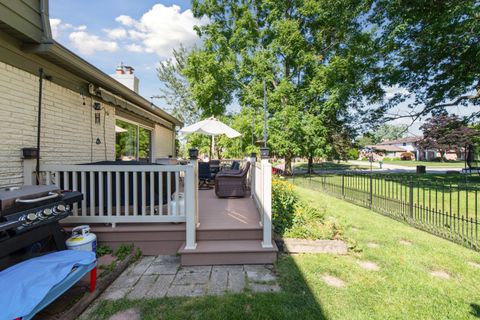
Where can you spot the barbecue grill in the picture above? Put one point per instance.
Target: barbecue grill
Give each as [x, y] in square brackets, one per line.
[29, 214]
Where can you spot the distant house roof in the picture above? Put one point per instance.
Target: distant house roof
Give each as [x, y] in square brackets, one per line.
[388, 148]
[402, 140]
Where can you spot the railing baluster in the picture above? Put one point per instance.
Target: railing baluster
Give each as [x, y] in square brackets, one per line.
[83, 181]
[109, 193]
[100, 194]
[152, 193]
[126, 203]
[92, 193]
[160, 193]
[135, 193]
[118, 204]
[75, 188]
[169, 192]
[143, 192]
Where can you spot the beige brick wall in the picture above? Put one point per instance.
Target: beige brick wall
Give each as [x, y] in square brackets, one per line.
[68, 129]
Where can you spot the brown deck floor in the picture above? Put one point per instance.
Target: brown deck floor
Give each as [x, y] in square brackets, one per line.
[226, 213]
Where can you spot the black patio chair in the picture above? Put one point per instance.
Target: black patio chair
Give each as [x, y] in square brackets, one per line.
[204, 175]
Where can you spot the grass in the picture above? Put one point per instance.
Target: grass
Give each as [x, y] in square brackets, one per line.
[429, 164]
[403, 288]
[331, 165]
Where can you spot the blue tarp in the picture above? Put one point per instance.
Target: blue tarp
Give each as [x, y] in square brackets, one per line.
[24, 285]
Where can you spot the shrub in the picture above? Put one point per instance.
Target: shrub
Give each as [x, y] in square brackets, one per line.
[284, 200]
[353, 154]
[407, 156]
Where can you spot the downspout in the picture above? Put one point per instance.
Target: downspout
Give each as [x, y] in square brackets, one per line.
[39, 124]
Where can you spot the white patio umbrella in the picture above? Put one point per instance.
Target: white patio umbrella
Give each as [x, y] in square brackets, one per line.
[211, 127]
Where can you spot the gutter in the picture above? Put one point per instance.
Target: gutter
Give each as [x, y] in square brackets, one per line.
[58, 54]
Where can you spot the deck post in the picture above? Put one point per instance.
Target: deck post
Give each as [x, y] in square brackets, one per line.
[266, 175]
[191, 201]
[253, 159]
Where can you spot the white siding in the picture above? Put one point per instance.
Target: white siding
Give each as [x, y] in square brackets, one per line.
[68, 128]
[162, 142]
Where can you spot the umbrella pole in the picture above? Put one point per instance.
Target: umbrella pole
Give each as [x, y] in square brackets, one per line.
[213, 147]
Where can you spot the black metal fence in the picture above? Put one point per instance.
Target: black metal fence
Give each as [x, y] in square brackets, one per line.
[448, 210]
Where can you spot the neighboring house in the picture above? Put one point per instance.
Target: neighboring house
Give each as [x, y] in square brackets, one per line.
[394, 149]
[86, 114]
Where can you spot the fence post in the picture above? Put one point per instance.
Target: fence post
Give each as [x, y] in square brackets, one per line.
[343, 185]
[410, 198]
[371, 191]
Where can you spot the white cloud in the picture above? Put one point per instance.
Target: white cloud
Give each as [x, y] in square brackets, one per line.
[390, 92]
[134, 48]
[162, 28]
[88, 44]
[55, 26]
[117, 33]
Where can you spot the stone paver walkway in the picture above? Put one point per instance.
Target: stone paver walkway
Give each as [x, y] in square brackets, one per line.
[162, 276]
[157, 277]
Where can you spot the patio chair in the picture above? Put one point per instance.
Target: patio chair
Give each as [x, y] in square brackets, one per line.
[233, 169]
[232, 184]
[214, 168]
[204, 176]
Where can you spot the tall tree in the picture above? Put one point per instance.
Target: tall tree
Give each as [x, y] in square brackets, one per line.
[389, 132]
[176, 89]
[430, 48]
[314, 57]
[446, 132]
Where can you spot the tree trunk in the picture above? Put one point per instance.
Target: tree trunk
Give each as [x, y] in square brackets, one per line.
[288, 166]
[310, 165]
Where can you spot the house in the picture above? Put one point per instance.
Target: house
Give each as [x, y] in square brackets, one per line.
[394, 149]
[84, 124]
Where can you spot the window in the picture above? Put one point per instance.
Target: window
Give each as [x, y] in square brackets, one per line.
[133, 142]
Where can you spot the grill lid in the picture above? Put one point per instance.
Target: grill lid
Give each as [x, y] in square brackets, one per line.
[12, 196]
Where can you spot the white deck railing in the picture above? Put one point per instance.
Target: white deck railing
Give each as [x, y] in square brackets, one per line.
[126, 193]
[261, 189]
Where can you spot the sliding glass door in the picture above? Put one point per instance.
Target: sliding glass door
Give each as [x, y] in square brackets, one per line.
[133, 142]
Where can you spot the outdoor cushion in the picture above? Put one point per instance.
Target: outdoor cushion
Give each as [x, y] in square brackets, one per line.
[24, 285]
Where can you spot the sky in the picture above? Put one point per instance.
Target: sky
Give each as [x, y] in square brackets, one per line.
[142, 34]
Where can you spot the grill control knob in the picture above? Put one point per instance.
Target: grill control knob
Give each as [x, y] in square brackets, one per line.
[47, 212]
[31, 217]
[59, 209]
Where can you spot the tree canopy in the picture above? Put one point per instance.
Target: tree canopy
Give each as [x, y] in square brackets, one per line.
[446, 132]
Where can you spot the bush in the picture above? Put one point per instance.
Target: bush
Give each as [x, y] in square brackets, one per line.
[284, 200]
[353, 154]
[407, 156]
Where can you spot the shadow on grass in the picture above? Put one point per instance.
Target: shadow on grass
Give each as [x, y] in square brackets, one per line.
[475, 310]
[294, 301]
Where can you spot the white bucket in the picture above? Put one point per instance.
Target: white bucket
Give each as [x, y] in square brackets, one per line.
[181, 205]
[82, 239]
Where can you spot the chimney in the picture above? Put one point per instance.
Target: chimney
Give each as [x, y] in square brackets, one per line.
[124, 75]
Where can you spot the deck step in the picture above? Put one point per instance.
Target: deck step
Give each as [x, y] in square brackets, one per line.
[219, 252]
[229, 234]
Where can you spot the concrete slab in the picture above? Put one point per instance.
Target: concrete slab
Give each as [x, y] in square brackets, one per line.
[314, 246]
[141, 266]
[218, 281]
[236, 281]
[162, 268]
[142, 287]
[160, 287]
[192, 290]
[259, 273]
[184, 278]
[113, 293]
[129, 314]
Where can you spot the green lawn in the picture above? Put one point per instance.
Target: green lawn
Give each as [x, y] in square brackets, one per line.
[429, 164]
[332, 165]
[403, 288]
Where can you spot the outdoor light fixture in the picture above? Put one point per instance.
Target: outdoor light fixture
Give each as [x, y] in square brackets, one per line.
[193, 153]
[264, 154]
[97, 106]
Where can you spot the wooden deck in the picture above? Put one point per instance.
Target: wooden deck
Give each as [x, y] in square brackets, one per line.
[226, 214]
[229, 232]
